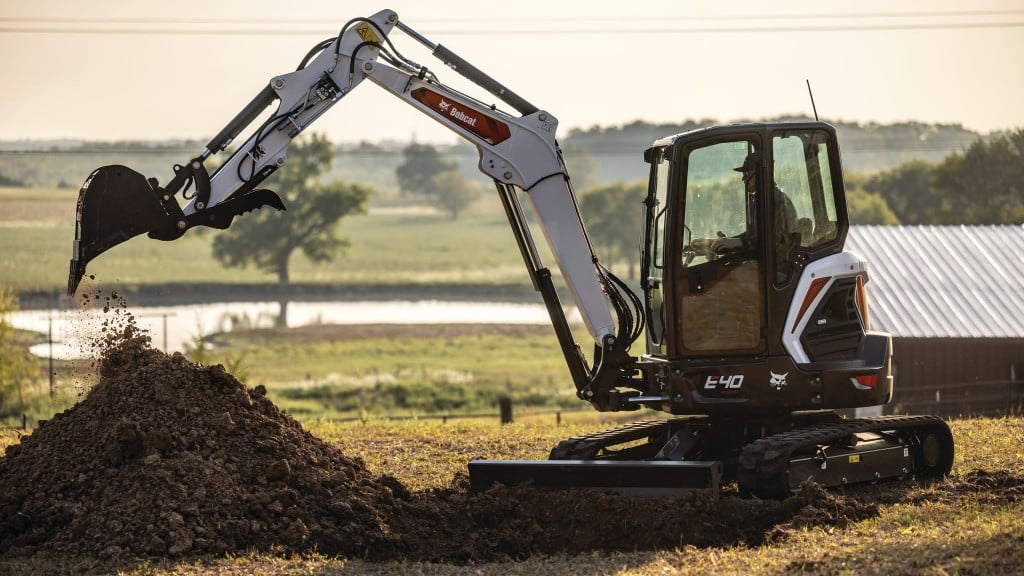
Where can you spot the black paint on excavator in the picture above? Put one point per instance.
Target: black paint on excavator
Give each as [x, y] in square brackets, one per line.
[115, 204]
[628, 477]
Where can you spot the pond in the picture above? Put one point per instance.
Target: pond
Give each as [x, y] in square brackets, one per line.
[174, 328]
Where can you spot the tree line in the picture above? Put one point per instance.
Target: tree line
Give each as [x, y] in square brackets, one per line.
[983, 184]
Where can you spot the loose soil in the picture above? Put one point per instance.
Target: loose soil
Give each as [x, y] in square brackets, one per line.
[166, 458]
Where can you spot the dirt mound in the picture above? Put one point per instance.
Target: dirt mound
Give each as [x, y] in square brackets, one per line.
[165, 458]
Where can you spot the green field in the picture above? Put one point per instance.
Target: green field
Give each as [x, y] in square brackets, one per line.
[402, 371]
[335, 372]
[315, 373]
[393, 246]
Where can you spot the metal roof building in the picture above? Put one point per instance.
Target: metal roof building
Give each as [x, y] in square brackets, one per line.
[944, 281]
[953, 299]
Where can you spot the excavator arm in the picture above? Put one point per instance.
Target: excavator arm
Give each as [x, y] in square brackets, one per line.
[519, 152]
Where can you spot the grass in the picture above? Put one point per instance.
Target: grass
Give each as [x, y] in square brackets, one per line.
[37, 228]
[355, 372]
[936, 529]
[341, 371]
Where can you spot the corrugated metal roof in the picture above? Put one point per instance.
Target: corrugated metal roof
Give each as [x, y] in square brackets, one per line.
[944, 281]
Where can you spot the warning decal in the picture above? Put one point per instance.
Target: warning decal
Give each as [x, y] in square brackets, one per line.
[366, 33]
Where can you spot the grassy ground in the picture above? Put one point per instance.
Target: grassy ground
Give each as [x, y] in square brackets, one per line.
[346, 372]
[937, 529]
[388, 247]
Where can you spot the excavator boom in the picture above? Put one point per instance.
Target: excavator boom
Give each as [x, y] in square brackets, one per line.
[519, 153]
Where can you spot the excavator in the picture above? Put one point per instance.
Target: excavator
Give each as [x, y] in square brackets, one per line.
[753, 317]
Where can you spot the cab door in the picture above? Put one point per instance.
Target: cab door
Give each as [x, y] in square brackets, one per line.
[720, 282]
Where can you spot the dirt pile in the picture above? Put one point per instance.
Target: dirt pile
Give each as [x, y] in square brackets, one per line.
[165, 458]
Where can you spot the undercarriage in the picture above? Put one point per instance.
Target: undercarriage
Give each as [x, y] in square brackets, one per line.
[765, 458]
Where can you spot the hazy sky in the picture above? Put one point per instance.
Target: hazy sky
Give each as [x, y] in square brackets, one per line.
[119, 69]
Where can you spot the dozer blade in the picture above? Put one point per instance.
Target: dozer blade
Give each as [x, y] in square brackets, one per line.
[115, 204]
[626, 477]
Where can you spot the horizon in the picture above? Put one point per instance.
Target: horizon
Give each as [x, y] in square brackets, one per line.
[457, 142]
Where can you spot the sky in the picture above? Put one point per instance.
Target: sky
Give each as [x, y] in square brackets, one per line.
[142, 69]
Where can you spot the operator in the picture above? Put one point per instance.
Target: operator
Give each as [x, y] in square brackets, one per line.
[785, 217]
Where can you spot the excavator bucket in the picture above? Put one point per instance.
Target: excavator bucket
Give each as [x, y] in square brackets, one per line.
[115, 204]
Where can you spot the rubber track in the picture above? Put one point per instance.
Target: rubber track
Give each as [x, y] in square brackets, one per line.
[763, 463]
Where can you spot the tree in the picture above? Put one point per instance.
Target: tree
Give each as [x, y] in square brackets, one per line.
[267, 240]
[866, 207]
[614, 217]
[452, 191]
[908, 191]
[983, 184]
[421, 162]
[870, 209]
[8, 181]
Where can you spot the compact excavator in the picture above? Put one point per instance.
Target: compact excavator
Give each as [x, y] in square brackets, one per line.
[754, 319]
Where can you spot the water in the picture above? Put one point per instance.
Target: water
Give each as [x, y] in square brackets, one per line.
[174, 328]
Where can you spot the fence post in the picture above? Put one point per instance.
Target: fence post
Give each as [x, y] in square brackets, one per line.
[24, 423]
[505, 405]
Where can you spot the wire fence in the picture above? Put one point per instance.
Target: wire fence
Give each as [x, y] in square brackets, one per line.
[504, 415]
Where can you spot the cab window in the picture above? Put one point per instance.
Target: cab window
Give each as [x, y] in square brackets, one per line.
[805, 201]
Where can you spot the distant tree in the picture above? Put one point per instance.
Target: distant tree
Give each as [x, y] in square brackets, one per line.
[614, 217]
[421, 162]
[452, 192]
[8, 181]
[866, 207]
[267, 239]
[983, 184]
[908, 191]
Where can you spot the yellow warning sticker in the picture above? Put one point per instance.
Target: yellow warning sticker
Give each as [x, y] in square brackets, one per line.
[854, 458]
[366, 33]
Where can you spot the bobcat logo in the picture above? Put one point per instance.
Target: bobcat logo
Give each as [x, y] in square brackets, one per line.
[778, 381]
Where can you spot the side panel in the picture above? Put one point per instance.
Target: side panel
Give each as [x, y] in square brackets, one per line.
[811, 290]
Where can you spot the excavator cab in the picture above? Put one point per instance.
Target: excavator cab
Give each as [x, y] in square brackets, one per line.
[749, 295]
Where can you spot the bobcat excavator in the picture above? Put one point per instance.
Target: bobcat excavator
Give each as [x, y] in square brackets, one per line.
[755, 320]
